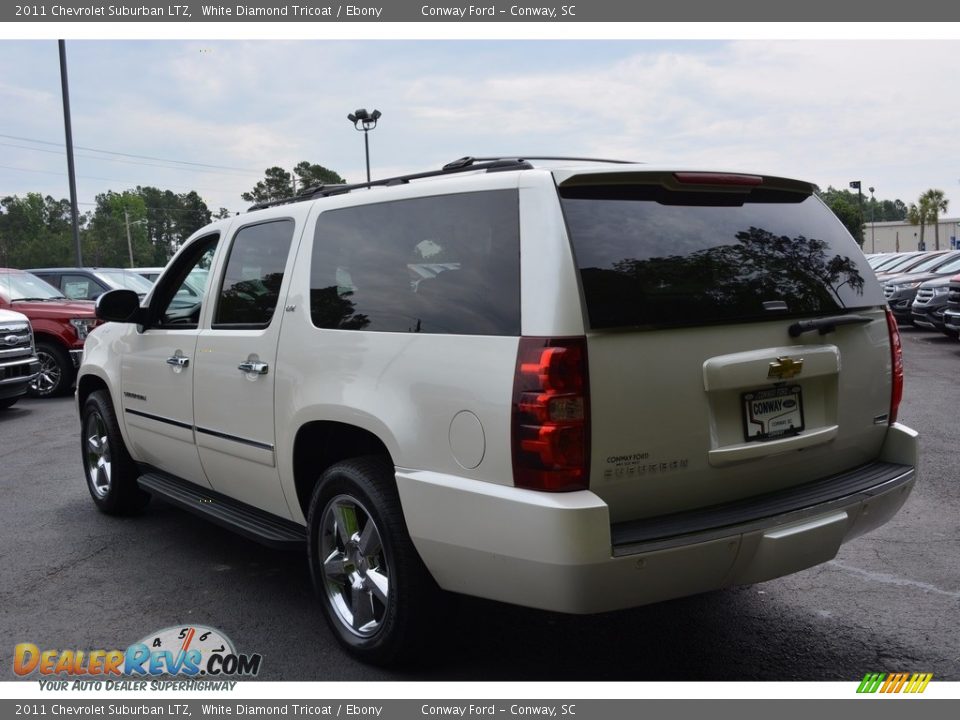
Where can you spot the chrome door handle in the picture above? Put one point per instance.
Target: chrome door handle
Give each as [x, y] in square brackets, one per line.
[178, 361]
[254, 368]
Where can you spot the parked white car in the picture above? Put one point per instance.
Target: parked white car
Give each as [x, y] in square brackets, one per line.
[577, 387]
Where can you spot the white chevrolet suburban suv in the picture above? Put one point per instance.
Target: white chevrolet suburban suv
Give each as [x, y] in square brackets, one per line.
[575, 386]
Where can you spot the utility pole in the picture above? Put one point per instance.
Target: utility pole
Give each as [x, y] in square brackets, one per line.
[126, 217]
[71, 171]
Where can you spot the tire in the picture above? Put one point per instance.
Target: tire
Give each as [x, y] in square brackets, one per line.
[56, 371]
[7, 402]
[110, 472]
[376, 594]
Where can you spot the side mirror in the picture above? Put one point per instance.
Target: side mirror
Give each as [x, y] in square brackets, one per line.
[119, 306]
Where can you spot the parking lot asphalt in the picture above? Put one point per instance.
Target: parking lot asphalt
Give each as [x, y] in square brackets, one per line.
[74, 578]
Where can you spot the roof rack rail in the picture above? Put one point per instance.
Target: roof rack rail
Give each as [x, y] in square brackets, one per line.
[464, 164]
[466, 161]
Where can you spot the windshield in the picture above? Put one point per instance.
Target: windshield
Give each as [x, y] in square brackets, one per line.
[23, 286]
[949, 267]
[886, 262]
[931, 263]
[651, 257]
[129, 280]
[913, 262]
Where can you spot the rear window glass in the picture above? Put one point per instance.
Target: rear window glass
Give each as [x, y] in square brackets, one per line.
[443, 264]
[649, 257]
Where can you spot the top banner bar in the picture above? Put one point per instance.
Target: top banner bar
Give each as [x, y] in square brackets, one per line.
[483, 12]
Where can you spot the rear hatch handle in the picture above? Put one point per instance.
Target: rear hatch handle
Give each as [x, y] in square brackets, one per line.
[826, 324]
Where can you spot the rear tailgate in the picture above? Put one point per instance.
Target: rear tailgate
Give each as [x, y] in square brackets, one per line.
[710, 378]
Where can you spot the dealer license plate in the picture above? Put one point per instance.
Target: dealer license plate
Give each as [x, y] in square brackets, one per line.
[772, 413]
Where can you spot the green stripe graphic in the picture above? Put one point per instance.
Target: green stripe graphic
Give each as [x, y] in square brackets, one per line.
[871, 682]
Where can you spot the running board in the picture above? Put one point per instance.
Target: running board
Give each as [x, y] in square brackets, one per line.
[232, 514]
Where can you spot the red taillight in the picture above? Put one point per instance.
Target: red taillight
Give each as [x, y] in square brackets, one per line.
[551, 415]
[896, 361]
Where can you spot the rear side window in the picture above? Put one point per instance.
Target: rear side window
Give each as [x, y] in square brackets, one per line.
[442, 264]
[251, 285]
[650, 257]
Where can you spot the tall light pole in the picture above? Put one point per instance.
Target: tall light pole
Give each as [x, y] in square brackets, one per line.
[71, 172]
[855, 184]
[362, 120]
[873, 222]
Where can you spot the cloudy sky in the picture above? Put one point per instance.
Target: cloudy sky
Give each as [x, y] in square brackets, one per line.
[211, 115]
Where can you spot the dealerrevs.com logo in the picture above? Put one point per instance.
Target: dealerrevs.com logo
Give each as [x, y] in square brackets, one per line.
[888, 683]
[186, 651]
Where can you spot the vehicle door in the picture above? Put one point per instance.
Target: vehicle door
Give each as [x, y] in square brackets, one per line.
[235, 369]
[158, 372]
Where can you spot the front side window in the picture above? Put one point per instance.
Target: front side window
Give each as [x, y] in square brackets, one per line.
[251, 284]
[179, 306]
[442, 264]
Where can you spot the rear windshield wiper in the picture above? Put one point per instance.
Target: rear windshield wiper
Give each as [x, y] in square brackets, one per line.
[826, 324]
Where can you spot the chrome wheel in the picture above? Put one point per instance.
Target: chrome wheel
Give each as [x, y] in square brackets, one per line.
[96, 456]
[356, 575]
[51, 374]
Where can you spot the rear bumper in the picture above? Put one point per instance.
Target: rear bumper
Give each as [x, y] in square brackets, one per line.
[559, 552]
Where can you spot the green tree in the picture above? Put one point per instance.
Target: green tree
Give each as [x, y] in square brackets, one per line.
[919, 214]
[170, 219]
[278, 184]
[309, 175]
[35, 231]
[936, 203]
[192, 215]
[845, 205]
[889, 210]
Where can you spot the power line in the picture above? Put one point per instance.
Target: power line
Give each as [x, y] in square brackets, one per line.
[125, 162]
[130, 155]
[113, 180]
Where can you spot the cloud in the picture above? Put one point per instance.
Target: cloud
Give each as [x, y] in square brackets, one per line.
[827, 111]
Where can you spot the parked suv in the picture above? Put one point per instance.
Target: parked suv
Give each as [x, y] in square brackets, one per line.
[931, 303]
[951, 316]
[60, 327]
[574, 387]
[900, 290]
[90, 283]
[18, 361]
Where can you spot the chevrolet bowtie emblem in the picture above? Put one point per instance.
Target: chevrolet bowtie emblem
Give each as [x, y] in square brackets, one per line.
[784, 368]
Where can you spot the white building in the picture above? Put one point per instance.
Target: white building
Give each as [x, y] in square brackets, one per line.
[901, 236]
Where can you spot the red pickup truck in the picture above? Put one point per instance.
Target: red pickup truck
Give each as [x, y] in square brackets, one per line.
[60, 327]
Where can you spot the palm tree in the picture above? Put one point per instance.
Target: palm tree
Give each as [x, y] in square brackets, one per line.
[936, 203]
[918, 214]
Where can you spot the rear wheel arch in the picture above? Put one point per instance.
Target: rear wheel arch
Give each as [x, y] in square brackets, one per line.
[321, 444]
